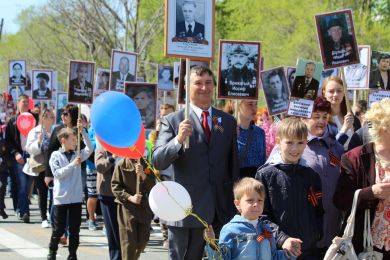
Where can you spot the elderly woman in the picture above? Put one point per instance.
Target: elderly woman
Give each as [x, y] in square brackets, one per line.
[367, 167]
[323, 154]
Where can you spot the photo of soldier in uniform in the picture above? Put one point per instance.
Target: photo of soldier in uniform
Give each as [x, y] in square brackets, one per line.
[336, 36]
[238, 75]
[81, 75]
[17, 72]
[275, 90]
[123, 69]
[189, 25]
[306, 82]
[42, 84]
[380, 70]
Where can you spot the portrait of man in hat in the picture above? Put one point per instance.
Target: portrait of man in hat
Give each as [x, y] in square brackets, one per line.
[337, 39]
[41, 87]
[239, 77]
[189, 27]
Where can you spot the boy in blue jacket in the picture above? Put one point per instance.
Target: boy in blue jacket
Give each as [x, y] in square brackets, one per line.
[246, 236]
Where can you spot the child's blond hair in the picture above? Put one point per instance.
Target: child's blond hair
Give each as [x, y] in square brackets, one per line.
[247, 185]
[64, 133]
[292, 128]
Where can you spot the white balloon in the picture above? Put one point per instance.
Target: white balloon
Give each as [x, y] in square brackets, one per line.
[169, 200]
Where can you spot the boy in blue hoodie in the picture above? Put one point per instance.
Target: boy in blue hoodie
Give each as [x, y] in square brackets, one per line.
[293, 190]
[246, 236]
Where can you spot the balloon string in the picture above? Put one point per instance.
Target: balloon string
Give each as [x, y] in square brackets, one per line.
[188, 211]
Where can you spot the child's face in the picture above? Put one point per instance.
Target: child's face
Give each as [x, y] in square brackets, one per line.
[250, 205]
[69, 143]
[291, 149]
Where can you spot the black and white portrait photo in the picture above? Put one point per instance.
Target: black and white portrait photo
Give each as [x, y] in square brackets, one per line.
[238, 69]
[380, 70]
[356, 75]
[336, 37]
[189, 26]
[176, 73]
[123, 69]
[102, 81]
[81, 74]
[17, 72]
[144, 96]
[290, 72]
[181, 91]
[275, 90]
[165, 77]
[42, 84]
[307, 79]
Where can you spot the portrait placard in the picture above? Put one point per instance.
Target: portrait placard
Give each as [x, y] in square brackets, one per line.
[61, 102]
[336, 37]
[189, 29]
[377, 95]
[380, 65]
[357, 75]
[42, 84]
[176, 73]
[165, 77]
[307, 77]
[15, 92]
[238, 70]
[81, 75]
[300, 107]
[17, 72]
[102, 81]
[144, 96]
[165, 97]
[123, 69]
[181, 93]
[290, 74]
[275, 88]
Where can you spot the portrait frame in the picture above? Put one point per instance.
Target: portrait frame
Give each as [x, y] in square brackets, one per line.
[176, 74]
[285, 92]
[181, 90]
[357, 75]
[229, 89]
[99, 87]
[376, 81]
[165, 86]
[60, 104]
[23, 80]
[117, 84]
[15, 91]
[148, 111]
[300, 76]
[290, 76]
[34, 85]
[344, 20]
[198, 46]
[75, 94]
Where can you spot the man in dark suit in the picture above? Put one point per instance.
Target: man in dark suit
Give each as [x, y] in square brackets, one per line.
[189, 27]
[80, 90]
[306, 86]
[207, 169]
[118, 78]
[339, 46]
[42, 92]
[17, 76]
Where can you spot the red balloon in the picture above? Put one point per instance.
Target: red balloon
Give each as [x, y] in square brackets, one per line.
[30, 103]
[134, 152]
[25, 123]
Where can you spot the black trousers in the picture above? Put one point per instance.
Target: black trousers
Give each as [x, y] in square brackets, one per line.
[42, 192]
[62, 214]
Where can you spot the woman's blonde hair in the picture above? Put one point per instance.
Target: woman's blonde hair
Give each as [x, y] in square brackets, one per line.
[343, 105]
[379, 117]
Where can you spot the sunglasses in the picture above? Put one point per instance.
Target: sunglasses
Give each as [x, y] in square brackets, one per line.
[65, 113]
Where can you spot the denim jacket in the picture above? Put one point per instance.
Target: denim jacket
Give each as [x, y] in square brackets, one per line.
[239, 239]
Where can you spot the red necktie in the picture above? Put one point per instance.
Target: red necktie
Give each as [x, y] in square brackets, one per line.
[205, 125]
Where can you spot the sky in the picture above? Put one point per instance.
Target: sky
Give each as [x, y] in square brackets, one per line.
[9, 10]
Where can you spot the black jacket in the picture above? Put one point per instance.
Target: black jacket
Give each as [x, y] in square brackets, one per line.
[287, 203]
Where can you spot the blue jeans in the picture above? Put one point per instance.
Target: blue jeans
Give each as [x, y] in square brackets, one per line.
[23, 184]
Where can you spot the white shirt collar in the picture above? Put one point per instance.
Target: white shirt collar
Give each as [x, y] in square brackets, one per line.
[198, 111]
[192, 24]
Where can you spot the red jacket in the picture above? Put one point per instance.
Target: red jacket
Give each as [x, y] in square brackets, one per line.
[357, 172]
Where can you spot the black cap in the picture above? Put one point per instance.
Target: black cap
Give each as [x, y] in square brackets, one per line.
[335, 22]
[239, 48]
[43, 76]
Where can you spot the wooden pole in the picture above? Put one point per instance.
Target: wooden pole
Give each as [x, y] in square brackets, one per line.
[78, 131]
[187, 108]
[41, 115]
[138, 180]
[345, 91]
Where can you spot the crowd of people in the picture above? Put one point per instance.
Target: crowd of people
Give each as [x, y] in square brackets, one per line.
[269, 188]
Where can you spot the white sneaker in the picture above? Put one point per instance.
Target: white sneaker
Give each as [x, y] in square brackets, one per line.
[45, 224]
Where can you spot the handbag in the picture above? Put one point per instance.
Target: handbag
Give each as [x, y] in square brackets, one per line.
[368, 253]
[36, 165]
[342, 247]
